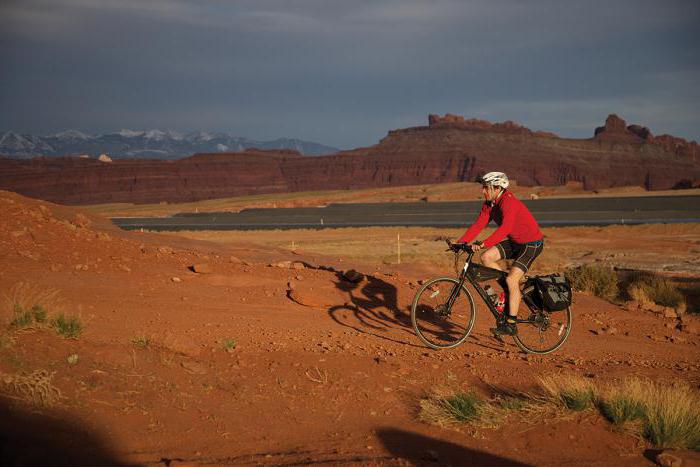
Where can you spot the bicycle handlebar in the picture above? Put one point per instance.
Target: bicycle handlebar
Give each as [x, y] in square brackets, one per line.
[455, 247]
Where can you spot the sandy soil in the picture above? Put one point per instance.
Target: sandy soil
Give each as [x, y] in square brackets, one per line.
[334, 376]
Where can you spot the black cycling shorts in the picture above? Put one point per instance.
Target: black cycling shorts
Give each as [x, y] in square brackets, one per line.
[523, 254]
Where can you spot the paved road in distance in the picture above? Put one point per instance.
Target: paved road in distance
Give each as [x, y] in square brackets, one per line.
[548, 212]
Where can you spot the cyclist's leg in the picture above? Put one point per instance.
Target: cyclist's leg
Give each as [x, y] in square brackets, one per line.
[513, 280]
[523, 262]
[496, 253]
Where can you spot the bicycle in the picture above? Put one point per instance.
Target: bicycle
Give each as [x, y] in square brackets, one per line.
[443, 311]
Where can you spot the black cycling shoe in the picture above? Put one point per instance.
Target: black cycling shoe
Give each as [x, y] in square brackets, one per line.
[506, 328]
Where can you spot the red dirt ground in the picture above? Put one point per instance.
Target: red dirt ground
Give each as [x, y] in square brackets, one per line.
[336, 379]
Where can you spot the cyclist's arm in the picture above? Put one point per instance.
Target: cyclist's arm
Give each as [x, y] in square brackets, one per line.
[509, 215]
[476, 228]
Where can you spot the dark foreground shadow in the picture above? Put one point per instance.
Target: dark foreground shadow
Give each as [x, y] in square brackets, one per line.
[422, 450]
[31, 439]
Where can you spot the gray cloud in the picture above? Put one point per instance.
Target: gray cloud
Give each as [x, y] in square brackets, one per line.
[344, 73]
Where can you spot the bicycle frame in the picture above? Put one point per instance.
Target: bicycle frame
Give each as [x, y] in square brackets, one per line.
[469, 273]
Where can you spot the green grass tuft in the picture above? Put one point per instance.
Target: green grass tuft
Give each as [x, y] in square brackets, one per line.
[463, 407]
[621, 409]
[572, 391]
[577, 399]
[39, 313]
[69, 327]
[22, 318]
[229, 344]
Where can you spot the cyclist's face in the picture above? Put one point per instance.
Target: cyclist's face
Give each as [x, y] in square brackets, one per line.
[489, 192]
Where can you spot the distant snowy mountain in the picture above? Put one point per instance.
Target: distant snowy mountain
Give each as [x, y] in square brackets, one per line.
[154, 144]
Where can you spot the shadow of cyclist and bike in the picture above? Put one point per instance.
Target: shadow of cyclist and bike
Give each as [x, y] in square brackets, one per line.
[372, 308]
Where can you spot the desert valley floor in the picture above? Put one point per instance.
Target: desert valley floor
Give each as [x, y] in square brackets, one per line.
[251, 348]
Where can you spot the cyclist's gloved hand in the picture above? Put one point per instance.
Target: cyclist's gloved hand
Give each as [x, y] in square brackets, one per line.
[476, 246]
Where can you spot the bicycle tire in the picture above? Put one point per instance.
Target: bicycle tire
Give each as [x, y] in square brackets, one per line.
[562, 328]
[442, 329]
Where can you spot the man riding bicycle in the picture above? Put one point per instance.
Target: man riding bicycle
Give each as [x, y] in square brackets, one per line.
[518, 237]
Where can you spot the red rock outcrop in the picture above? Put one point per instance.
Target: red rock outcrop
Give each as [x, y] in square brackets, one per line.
[449, 149]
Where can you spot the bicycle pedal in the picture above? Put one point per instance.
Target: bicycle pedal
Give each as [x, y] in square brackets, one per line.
[497, 335]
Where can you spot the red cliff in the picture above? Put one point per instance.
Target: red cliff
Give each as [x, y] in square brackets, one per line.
[449, 149]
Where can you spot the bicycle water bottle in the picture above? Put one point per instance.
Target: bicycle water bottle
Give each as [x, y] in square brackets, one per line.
[499, 301]
[501, 304]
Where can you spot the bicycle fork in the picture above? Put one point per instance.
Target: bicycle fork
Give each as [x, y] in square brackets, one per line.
[454, 293]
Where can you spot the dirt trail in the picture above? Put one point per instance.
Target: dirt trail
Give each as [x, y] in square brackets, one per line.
[333, 374]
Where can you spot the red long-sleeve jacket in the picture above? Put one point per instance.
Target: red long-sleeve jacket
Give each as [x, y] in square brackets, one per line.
[513, 218]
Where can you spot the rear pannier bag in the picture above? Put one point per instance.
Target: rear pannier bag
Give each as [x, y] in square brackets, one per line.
[554, 291]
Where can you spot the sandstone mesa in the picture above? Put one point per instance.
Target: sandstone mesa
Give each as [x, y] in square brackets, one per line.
[449, 149]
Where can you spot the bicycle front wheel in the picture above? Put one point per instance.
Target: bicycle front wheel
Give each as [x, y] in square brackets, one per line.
[543, 332]
[439, 322]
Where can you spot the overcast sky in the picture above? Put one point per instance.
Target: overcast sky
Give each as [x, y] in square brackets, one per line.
[344, 72]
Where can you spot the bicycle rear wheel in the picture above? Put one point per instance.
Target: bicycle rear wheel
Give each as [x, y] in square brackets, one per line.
[438, 324]
[543, 332]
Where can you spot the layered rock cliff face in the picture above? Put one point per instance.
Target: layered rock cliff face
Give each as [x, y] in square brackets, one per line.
[449, 149]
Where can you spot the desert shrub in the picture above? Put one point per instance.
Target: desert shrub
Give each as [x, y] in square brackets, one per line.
[67, 326]
[650, 289]
[36, 387]
[598, 280]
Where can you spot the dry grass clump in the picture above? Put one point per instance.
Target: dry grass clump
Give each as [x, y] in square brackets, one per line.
[598, 280]
[666, 414]
[672, 415]
[571, 391]
[28, 304]
[444, 407]
[649, 289]
[69, 327]
[623, 403]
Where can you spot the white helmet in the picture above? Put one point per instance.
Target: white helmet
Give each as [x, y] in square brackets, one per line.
[495, 179]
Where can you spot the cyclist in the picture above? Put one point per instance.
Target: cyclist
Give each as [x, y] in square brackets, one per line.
[518, 237]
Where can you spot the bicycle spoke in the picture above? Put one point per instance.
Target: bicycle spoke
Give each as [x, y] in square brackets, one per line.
[439, 321]
[543, 332]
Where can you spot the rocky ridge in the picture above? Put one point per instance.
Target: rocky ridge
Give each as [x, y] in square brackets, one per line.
[448, 149]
